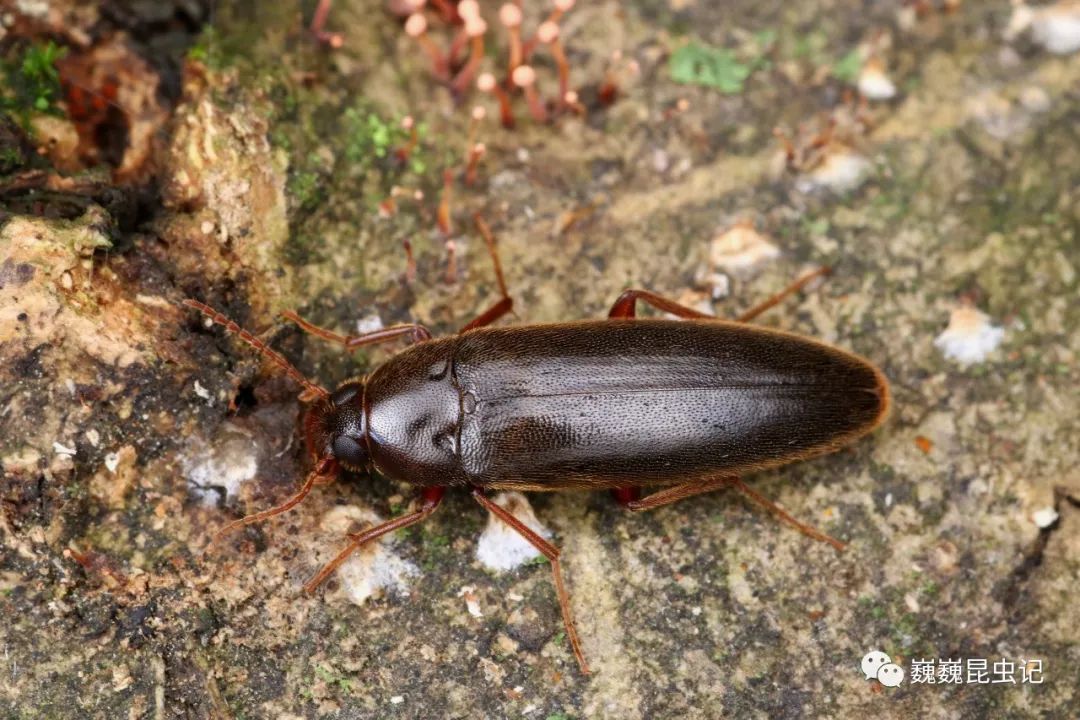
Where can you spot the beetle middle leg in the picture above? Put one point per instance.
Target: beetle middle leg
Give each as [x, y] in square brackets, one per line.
[431, 499]
[504, 304]
[681, 492]
[552, 554]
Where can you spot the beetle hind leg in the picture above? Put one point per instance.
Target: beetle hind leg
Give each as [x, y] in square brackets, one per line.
[681, 492]
[808, 530]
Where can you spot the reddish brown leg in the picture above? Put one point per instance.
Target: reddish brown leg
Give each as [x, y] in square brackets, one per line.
[505, 304]
[213, 315]
[680, 492]
[431, 499]
[418, 333]
[552, 554]
[626, 305]
[775, 509]
[323, 470]
[794, 287]
[626, 495]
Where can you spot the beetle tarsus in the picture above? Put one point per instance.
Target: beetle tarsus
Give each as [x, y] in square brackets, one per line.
[772, 507]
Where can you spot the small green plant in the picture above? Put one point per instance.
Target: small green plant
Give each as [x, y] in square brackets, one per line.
[207, 49]
[370, 139]
[848, 67]
[695, 64]
[327, 676]
[32, 83]
[721, 68]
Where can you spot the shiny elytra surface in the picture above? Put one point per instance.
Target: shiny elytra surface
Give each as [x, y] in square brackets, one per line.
[614, 403]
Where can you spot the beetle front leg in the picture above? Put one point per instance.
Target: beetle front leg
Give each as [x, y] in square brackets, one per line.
[552, 554]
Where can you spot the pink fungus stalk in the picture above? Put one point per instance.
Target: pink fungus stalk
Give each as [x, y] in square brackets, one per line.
[409, 125]
[318, 21]
[561, 7]
[510, 17]
[525, 78]
[475, 153]
[443, 215]
[416, 26]
[548, 34]
[486, 84]
[475, 27]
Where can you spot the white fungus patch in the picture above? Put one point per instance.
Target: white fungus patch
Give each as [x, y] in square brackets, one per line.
[501, 548]
[203, 393]
[970, 337]
[1055, 27]
[842, 170]
[373, 568]
[369, 323]
[220, 467]
[874, 83]
[472, 601]
[741, 249]
[1044, 517]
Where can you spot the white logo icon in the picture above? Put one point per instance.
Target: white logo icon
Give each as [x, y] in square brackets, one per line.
[890, 675]
[873, 661]
[878, 665]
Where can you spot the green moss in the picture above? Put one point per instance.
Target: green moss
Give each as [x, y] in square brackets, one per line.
[848, 67]
[720, 68]
[31, 82]
[208, 49]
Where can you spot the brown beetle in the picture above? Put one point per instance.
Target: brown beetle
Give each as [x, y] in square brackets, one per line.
[623, 403]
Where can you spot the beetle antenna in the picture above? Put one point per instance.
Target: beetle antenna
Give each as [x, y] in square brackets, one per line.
[325, 467]
[261, 347]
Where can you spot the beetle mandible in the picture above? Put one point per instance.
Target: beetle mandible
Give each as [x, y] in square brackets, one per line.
[621, 404]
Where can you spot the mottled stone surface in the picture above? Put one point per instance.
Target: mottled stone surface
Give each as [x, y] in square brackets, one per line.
[116, 405]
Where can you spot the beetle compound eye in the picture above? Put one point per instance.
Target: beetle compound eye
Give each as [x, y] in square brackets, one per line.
[344, 394]
[348, 451]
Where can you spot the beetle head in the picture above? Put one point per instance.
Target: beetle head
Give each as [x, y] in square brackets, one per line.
[336, 426]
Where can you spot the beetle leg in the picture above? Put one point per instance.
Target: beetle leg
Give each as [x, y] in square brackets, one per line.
[626, 495]
[552, 554]
[677, 493]
[320, 475]
[681, 492]
[505, 304]
[626, 305]
[775, 509]
[419, 333]
[431, 499]
[794, 287]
